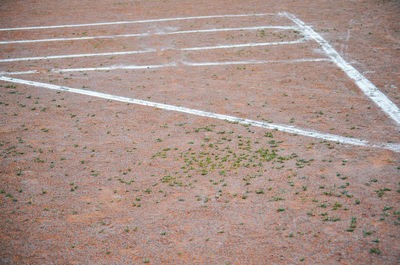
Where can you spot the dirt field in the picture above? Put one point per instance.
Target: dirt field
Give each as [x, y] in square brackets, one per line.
[200, 132]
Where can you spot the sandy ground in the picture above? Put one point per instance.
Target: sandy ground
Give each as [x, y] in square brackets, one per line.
[91, 181]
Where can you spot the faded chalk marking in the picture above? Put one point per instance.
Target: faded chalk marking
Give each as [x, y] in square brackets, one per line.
[245, 45]
[135, 21]
[257, 62]
[146, 34]
[138, 67]
[20, 73]
[270, 126]
[154, 50]
[75, 38]
[113, 67]
[367, 87]
[50, 57]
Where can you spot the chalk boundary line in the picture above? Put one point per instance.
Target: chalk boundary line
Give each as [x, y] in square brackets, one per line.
[367, 87]
[152, 50]
[147, 34]
[173, 64]
[137, 21]
[364, 84]
[265, 125]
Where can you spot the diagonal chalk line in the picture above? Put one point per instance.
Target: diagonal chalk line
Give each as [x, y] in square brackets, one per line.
[366, 86]
[148, 34]
[230, 46]
[140, 67]
[271, 126]
[135, 21]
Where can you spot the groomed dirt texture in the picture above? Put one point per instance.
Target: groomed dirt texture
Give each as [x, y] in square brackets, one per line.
[91, 181]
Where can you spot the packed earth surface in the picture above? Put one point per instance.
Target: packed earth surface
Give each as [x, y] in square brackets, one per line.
[199, 132]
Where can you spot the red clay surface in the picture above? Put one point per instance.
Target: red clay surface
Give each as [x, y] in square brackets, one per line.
[91, 181]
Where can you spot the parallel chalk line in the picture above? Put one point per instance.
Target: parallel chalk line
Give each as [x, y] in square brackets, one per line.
[147, 34]
[271, 126]
[242, 45]
[304, 60]
[366, 86]
[193, 64]
[136, 21]
[251, 44]
[65, 56]
[114, 67]
[21, 72]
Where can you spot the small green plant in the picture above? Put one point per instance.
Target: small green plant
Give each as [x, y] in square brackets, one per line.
[367, 233]
[353, 224]
[260, 191]
[381, 192]
[376, 251]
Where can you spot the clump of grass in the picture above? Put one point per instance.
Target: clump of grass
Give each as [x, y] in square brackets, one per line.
[376, 251]
[353, 224]
[382, 191]
[260, 191]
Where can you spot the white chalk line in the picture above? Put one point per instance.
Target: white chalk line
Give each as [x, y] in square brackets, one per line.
[366, 86]
[103, 68]
[135, 21]
[147, 34]
[139, 67]
[114, 67]
[21, 72]
[242, 45]
[270, 126]
[65, 56]
[304, 60]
